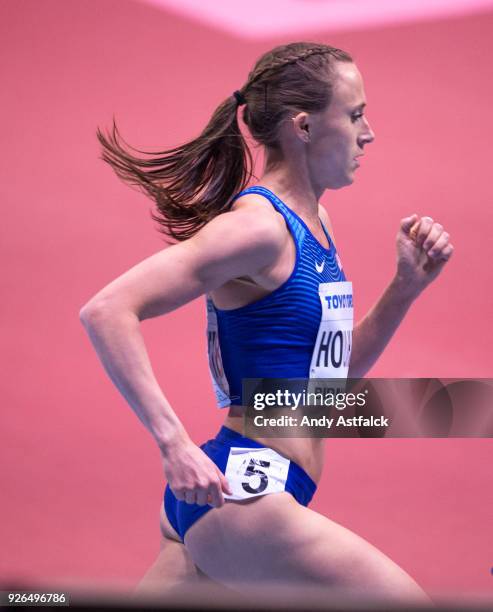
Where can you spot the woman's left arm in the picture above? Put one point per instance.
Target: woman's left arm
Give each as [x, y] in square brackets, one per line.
[423, 249]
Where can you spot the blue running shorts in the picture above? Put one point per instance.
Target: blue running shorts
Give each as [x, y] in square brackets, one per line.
[251, 469]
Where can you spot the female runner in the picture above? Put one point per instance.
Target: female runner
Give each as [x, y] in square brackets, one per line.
[265, 258]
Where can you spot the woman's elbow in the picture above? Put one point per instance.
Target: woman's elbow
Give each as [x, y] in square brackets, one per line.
[96, 309]
[100, 310]
[90, 312]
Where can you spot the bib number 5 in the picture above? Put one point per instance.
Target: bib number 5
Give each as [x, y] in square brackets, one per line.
[255, 471]
[257, 479]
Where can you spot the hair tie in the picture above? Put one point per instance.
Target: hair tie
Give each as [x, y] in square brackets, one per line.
[240, 100]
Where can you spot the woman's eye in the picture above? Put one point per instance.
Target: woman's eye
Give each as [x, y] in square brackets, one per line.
[356, 116]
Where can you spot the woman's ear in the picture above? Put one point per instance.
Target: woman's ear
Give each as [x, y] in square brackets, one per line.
[301, 126]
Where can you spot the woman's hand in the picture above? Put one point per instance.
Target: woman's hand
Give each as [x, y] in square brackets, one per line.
[423, 249]
[192, 476]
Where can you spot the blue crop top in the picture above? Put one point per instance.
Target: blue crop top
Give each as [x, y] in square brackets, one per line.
[300, 330]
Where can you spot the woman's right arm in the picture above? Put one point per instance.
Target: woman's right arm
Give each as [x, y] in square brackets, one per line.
[237, 243]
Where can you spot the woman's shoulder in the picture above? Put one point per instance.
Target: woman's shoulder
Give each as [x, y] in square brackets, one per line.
[249, 229]
[255, 202]
[257, 214]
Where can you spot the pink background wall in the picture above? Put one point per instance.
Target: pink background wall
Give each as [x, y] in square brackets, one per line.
[80, 479]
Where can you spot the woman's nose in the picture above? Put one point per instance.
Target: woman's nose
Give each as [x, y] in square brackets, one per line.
[368, 135]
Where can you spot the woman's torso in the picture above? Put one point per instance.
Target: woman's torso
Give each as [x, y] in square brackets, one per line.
[305, 451]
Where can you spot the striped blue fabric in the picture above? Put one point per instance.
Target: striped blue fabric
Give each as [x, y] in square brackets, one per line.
[274, 337]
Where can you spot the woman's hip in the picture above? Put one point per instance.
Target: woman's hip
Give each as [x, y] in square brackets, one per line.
[252, 471]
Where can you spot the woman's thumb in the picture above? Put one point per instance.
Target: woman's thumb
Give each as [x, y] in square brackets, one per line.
[408, 222]
[225, 484]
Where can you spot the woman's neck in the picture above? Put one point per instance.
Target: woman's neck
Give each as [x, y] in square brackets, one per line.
[289, 179]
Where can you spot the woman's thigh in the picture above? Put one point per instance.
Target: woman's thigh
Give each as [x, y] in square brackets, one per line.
[173, 570]
[172, 567]
[275, 539]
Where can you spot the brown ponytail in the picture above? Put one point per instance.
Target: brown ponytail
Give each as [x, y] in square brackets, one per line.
[196, 181]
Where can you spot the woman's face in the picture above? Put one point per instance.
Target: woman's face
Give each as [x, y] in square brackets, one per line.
[337, 136]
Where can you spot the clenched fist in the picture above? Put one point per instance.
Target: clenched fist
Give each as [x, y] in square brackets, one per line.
[423, 249]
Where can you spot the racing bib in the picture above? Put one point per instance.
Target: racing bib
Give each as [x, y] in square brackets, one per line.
[330, 358]
[255, 471]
